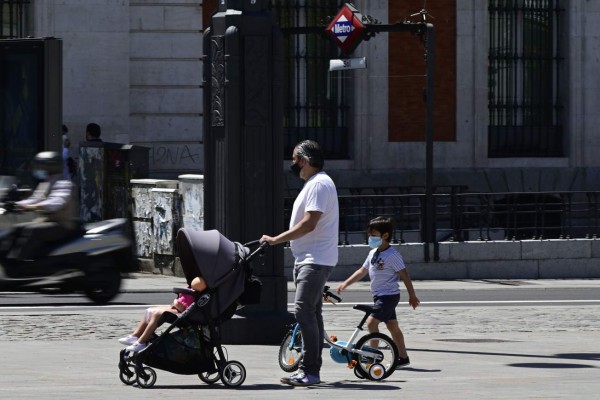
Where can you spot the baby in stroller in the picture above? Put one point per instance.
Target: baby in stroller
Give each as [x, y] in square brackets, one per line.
[138, 340]
[219, 276]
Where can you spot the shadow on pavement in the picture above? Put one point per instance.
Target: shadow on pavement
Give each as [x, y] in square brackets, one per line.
[348, 385]
[419, 370]
[551, 365]
[580, 356]
[566, 356]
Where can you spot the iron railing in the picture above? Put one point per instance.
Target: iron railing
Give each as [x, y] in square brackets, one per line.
[473, 216]
[13, 18]
[524, 99]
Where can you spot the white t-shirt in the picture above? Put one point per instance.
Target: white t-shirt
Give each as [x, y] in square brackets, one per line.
[321, 245]
[383, 271]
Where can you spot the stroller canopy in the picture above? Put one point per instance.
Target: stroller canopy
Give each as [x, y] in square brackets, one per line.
[207, 254]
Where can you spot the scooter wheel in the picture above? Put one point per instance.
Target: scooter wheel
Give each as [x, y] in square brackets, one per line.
[103, 281]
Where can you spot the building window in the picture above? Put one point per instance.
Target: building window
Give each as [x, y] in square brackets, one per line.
[13, 18]
[316, 103]
[524, 101]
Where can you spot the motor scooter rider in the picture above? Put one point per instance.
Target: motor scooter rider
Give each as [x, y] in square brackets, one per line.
[54, 198]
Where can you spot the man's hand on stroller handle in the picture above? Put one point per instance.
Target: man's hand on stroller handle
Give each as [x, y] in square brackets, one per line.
[261, 248]
[263, 244]
[269, 240]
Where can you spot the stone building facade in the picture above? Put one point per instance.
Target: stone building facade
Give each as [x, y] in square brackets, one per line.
[135, 67]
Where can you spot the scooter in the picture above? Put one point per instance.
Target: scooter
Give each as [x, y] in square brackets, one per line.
[90, 262]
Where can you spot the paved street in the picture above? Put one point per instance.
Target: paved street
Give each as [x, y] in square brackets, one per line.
[498, 350]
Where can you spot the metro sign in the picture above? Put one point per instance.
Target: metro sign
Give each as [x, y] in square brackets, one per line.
[346, 29]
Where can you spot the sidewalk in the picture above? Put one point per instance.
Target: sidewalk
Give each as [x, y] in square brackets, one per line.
[460, 352]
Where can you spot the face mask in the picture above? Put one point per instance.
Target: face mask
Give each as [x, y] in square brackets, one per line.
[295, 169]
[40, 174]
[375, 242]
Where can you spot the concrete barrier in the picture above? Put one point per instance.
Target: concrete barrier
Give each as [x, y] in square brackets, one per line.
[181, 204]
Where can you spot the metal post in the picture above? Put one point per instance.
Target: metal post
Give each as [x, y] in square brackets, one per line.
[430, 206]
[243, 152]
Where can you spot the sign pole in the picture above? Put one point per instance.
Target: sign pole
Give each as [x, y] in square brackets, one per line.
[430, 213]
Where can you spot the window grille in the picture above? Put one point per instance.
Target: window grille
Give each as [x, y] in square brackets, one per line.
[316, 105]
[523, 79]
[13, 18]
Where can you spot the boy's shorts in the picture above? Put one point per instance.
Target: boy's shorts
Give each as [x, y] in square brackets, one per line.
[388, 307]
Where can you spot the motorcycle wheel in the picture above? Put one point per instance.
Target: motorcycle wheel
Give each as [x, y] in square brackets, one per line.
[102, 281]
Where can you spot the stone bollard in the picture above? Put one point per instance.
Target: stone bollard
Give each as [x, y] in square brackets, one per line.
[143, 211]
[166, 223]
[191, 188]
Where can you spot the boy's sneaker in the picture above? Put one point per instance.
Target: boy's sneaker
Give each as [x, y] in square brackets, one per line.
[403, 362]
[137, 346]
[129, 340]
[304, 379]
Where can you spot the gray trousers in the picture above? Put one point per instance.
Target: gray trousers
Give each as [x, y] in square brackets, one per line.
[310, 280]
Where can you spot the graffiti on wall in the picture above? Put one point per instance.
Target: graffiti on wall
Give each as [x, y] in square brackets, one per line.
[187, 156]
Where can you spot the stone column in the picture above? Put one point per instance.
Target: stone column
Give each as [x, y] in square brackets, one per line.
[243, 128]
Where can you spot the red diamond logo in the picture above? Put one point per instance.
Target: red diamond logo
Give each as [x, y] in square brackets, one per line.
[346, 29]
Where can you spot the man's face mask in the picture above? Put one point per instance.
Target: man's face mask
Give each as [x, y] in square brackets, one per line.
[40, 174]
[296, 169]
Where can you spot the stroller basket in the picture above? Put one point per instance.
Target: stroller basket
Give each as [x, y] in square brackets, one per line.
[183, 351]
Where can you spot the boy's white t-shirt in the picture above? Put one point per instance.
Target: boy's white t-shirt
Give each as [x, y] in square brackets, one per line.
[383, 271]
[321, 245]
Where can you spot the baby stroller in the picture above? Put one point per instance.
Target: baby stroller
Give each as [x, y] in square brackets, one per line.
[191, 343]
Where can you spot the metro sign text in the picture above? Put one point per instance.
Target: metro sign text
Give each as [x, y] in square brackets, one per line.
[342, 28]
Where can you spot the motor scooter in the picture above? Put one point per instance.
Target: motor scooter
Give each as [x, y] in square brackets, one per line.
[91, 261]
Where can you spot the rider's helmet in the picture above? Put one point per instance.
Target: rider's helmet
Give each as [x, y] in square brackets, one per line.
[47, 163]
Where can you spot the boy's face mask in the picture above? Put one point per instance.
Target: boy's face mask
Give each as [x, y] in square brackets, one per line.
[40, 174]
[375, 242]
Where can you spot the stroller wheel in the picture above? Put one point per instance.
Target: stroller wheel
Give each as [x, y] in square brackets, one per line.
[146, 378]
[127, 375]
[233, 374]
[209, 377]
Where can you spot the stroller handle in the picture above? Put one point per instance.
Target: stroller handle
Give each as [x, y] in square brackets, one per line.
[263, 246]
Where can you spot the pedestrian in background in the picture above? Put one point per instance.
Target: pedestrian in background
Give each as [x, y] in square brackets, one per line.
[93, 132]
